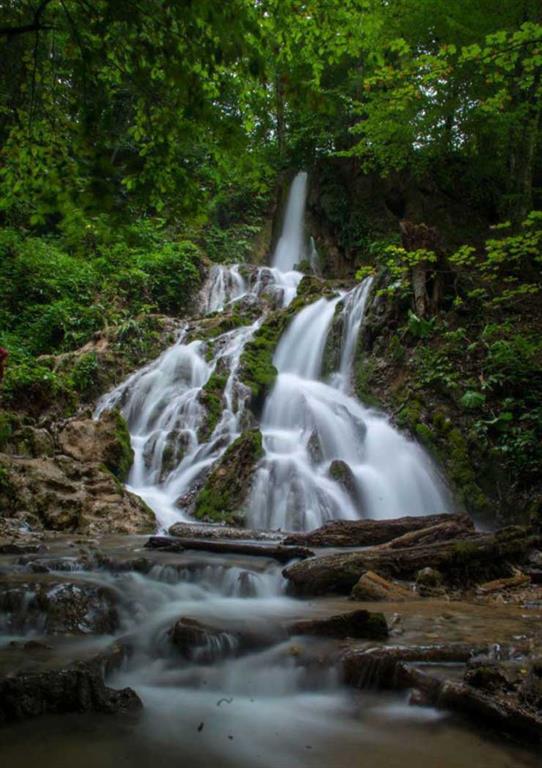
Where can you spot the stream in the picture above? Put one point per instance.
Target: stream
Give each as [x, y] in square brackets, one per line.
[250, 696]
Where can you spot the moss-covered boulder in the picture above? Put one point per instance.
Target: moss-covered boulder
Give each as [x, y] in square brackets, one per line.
[227, 486]
[211, 397]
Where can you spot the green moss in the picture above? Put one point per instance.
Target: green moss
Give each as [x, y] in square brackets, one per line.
[424, 435]
[396, 350]
[225, 490]
[85, 375]
[8, 422]
[364, 382]
[120, 455]
[212, 398]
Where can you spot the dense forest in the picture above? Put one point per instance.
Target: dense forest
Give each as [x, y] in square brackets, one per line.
[145, 142]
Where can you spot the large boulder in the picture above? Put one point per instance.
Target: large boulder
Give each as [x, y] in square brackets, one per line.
[63, 494]
[78, 688]
[104, 441]
[222, 497]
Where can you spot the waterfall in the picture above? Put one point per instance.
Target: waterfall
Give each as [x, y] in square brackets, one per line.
[326, 455]
[225, 285]
[290, 248]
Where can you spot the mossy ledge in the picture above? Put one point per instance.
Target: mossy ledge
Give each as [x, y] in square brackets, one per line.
[227, 486]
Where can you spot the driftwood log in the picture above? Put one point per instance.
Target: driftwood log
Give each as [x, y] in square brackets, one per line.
[274, 551]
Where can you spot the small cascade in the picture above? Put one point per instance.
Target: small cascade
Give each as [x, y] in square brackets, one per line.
[354, 305]
[225, 284]
[163, 408]
[290, 249]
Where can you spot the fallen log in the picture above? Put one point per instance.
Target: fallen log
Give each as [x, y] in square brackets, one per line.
[371, 586]
[369, 533]
[518, 580]
[459, 560]
[275, 552]
[431, 535]
[222, 532]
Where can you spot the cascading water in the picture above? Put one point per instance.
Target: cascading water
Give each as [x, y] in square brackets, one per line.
[326, 455]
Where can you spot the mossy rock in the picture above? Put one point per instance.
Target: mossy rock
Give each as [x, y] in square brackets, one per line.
[118, 454]
[211, 397]
[227, 486]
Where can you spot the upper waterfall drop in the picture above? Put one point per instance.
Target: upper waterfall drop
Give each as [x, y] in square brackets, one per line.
[290, 250]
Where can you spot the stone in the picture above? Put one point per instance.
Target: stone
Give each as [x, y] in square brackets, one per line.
[358, 624]
[371, 586]
[228, 484]
[428, 577]
[104, 441]
[58, 607]
[78, 688]
[64, 494]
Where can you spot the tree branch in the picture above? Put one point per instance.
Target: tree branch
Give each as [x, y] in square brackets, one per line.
[34, 26]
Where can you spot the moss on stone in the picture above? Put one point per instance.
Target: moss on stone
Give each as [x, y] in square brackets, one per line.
[211, 397]
[227, 486]
[119, 454]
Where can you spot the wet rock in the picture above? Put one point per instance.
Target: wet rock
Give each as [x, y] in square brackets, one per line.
[487, 677]
[343, 475]
[204, 644]
[58, 608]
[358, 624]
[531, 690]
[428, 577]
[64, 494]
[228, 485]
[371, 586]
[18, 547]
[79, 688]
[104, 441]
[199, 642]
